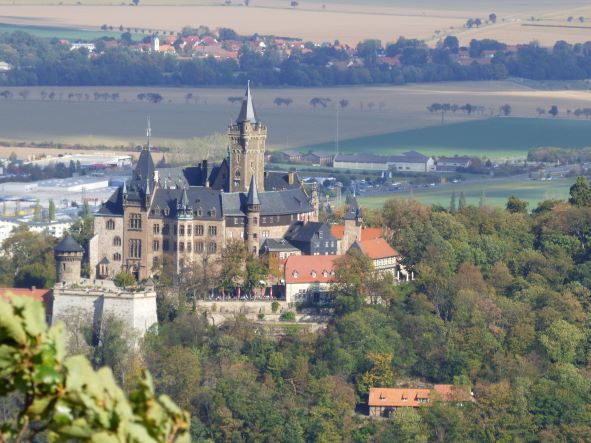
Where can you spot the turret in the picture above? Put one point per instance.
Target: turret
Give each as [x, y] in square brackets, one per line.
[68, 260]
[353, 226]
[184, 209]
[253, 212]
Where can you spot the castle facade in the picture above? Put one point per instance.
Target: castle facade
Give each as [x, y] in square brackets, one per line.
[187, 216]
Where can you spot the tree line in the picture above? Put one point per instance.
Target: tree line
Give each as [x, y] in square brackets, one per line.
[38, 61]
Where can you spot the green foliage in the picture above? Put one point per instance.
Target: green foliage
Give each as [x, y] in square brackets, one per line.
[51, 210]
[516, 205]
[124, 279]
[580, 193]
[274, 306]
[288, 316]
[65, 397]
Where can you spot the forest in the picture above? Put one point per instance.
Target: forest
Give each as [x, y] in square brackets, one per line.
[37, 61]
[501, 303]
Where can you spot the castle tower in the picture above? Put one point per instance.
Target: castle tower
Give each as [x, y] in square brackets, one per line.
[68, 260]
[353, 227]
[253, 213]
[247, 148]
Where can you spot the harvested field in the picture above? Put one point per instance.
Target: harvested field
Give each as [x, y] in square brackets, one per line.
[319, 20]
[72, 120]
[68, 119]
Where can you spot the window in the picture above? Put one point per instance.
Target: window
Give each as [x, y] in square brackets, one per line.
[135, 222]
[116, 256]
[295, 274]
[256, 221]
[117, 241]
[199, 247]
[176, 230]
[236, 220]
[182, 230]
[320, 234]
[212, 231]
[155, 245]
[189, 246]
[313, 274]
[212, 247]
[110, 225]
[212, 212]
[265, 234]
[199, 230]
[165, 229]
[189, 229]
[165, 245]
[135, 248]
[199, 212]
[156, 229]
[182, 247]
[264, 220]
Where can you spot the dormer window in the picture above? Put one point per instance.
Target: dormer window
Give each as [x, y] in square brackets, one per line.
[325, 274]
[199, 212]
[295, 274]
[313, 273]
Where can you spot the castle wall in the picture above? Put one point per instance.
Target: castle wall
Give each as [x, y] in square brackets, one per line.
[81, 306]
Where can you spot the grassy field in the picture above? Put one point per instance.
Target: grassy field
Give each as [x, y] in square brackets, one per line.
[496, 192]
[65, 33]
[404, 108]
[320, 20]
[494, 138]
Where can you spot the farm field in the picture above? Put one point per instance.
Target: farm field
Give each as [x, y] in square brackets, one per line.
[501, 137]
[496, 192]
[349, 21]
[74, 116]
[65, 33]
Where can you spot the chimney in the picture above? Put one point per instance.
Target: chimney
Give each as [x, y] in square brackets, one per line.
[33, 288]
[290, 177]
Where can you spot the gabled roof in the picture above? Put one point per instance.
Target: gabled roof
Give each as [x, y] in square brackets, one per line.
[247, 112]
[409, 397]
[68, 244]
[278, 245]
[300, 232]
[310, 268]
[376, 248]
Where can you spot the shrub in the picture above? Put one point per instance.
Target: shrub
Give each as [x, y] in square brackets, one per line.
[288, 316]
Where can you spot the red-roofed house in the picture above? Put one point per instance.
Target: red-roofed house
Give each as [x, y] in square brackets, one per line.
[42, 295]
[383, 401]
[309, 277]
[384, 258]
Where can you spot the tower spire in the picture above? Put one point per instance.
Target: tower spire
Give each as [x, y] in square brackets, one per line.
[252, 199]
[149, 133]
[247, 112]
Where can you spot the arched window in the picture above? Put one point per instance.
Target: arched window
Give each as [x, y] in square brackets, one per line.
[110, 225]
[117, 241]
[116, 256]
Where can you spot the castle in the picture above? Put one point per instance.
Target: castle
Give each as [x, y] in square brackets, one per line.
[79, 302]
[188, 215]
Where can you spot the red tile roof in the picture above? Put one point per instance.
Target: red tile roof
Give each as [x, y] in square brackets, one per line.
[377, 248]
[310, 268]
[37, 294]
[366, 233]
[409, 397]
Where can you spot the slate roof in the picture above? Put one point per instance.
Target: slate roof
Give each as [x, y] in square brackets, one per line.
[278, 245]
[68, 244]
[247, 112]
[300, 232]
[113, 206]
[166, 202]
[253, 195]
[354, 211]
[291, 201]
[142, 179]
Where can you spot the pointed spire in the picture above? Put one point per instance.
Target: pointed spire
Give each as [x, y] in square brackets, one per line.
[247, 112]
[185, 200]
[149, 134]
[253, 194]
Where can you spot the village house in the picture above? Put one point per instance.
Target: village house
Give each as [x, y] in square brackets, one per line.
[309, 278]
[384, 401]
[385, 258]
